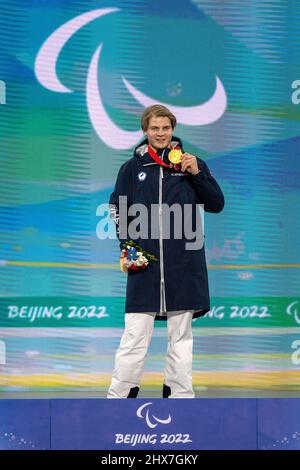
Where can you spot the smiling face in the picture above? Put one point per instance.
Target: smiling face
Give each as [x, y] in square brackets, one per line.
[159, 132]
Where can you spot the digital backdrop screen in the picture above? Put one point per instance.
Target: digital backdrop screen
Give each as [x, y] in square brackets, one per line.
[75, 77]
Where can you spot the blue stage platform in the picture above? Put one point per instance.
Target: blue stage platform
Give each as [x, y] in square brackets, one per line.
[229, 423]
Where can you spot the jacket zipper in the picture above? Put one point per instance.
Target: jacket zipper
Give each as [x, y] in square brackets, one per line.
[161, 252]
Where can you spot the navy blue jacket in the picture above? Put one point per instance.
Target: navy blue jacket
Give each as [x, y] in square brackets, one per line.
[178, 279]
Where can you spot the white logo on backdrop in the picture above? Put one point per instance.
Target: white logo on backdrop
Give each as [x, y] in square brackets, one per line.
[2, 353]
[292, 310]
[114, 136]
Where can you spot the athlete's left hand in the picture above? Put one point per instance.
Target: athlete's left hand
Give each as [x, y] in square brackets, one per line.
[189, 163]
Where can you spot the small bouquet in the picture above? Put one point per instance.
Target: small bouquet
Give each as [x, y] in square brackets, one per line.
[134, 258]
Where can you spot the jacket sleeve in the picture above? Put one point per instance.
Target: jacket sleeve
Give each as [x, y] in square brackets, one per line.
[208, 191]
[119, 207]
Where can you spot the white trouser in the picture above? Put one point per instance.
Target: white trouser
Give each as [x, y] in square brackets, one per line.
[131, 355]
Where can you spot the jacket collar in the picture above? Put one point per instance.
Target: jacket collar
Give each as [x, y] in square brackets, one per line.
[141, 151]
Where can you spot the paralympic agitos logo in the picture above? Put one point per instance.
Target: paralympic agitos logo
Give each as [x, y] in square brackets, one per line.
[114, 136]
[154, 421]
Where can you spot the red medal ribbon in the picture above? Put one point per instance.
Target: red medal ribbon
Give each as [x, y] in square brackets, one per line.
[158, 160]
[155, 157]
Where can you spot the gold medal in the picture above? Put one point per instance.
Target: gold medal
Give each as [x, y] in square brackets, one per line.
[175, 156]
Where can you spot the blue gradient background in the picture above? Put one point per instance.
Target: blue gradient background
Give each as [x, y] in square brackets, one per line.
[55, 172]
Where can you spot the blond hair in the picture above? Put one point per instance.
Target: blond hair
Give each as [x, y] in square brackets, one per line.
[156, 110]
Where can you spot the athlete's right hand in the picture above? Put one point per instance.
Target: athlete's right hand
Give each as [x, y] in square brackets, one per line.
[123, 268]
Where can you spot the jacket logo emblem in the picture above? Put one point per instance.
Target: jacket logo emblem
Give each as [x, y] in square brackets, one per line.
[142, 176]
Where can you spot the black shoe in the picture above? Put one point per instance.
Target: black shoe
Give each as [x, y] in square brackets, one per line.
[166, 391]
[133, 392]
